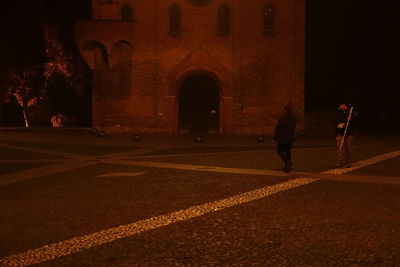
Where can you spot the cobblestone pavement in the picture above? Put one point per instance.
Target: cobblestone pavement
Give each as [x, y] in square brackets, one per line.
[78, 200]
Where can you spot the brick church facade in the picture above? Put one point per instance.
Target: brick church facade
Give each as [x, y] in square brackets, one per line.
[176, 66]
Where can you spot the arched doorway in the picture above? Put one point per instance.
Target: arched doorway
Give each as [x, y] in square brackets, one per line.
[199, 104]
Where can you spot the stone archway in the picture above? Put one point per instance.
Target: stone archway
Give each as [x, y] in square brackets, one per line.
[199, 104]
[95, 55]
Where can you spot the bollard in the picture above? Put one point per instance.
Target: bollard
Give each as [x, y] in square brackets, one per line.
[136, 137]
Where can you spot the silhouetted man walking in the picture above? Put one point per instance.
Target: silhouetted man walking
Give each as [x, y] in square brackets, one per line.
[284, 136]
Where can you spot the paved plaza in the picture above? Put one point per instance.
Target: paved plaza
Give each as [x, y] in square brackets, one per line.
[69, 198]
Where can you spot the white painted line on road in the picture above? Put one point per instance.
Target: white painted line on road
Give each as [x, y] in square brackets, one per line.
[358, 178]
[78, 244]
[45, 151]
[121, 174]
[49, 160]
[267, 149]
[357, 165]
[365, 163]
[43, 171]
[74, 245]
[191, 167]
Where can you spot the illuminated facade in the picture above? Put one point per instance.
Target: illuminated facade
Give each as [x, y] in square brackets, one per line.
[170, 66]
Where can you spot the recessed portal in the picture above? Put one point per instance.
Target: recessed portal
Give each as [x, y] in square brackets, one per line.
[199, 104]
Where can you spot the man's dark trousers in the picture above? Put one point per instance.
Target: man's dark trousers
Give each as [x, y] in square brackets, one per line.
[284, 152]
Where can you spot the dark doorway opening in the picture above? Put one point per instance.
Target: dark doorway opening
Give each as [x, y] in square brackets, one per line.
[199, 110]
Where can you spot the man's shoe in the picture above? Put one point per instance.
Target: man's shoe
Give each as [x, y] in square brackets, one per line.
[288, 166]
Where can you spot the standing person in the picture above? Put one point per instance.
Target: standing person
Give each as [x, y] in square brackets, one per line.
[345, 127]
[284, 135]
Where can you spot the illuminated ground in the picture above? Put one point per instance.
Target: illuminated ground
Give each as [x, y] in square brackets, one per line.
[181, 203]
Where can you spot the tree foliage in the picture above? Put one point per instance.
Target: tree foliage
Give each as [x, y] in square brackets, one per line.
[39, 55]
[25, 86]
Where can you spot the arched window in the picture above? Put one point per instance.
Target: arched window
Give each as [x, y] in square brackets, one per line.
[127, 13]
[269, 19]
[224, 20]
[175, 17]
[95, 55]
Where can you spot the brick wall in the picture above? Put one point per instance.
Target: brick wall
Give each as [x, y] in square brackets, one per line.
[257, 74]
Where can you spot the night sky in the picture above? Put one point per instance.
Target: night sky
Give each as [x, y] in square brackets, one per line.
[352, 55]
[351, 51]
[22, 22]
